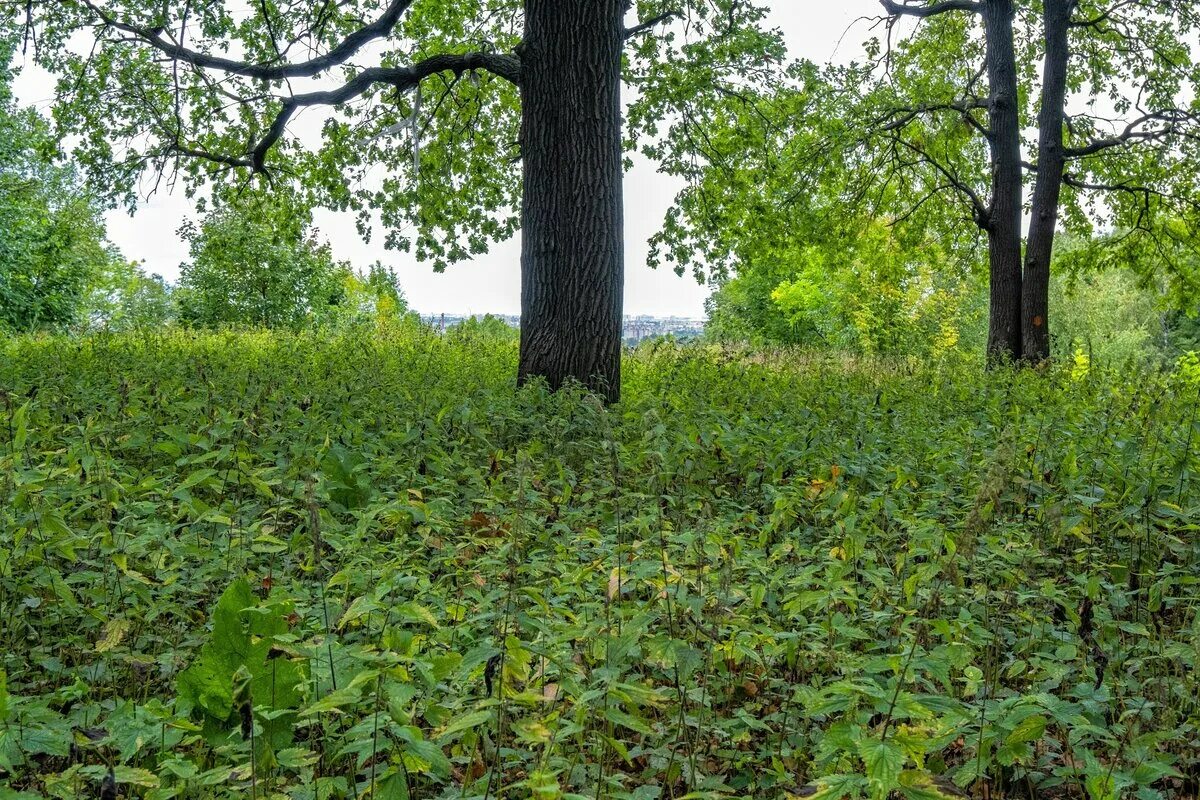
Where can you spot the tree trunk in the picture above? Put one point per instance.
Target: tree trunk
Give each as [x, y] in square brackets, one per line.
[1035, 298]
[1004, 219]
[572, 255]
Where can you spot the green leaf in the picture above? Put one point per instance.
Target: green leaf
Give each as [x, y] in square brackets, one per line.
[466, 722]
[618, 717]
[295, 758]
[1030, 729]
[1149, 772]
[431, 754]
[334, 701]
[359, 608]
[415, 612]
[394, 787]
[129, 776]
[196, 477]
[883, 762]
[832, 787]
[208, 682]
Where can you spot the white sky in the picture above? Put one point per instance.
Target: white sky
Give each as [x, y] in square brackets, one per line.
[491, 283]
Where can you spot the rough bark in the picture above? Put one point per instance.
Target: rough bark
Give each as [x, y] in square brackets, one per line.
[1004, 217]
[572, 256]
[1051, 160]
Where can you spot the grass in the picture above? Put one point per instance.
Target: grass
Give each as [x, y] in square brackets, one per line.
[360, 566]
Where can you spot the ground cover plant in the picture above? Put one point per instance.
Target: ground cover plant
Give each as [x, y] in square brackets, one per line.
[362, 565]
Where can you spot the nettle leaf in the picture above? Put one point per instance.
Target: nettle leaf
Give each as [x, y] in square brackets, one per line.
[883, 762]
[1029, 729]
[466, 722]
[361, 607]
[114, 633]
[429, 754]
[1150, 772]
[295, 758]
[699, 483]
[335, 701]
[123, 775]
[921, 785]
[835, 787]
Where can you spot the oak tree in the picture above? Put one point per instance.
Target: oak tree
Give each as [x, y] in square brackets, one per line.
[449, 125]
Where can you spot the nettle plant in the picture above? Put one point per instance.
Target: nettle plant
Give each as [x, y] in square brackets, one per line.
[358, 564]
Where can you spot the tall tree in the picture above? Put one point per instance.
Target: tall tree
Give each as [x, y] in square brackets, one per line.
[998, 214]
[258, 262]
[422, 141]
[53, 246]
[1047, 190]
[1134, 55]
[572, 250]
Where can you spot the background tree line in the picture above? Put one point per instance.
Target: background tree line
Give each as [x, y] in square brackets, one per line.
[255, 257]
[969, 185]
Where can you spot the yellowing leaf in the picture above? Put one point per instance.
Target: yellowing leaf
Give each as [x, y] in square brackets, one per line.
[135, 776]
[359, 608]
[614, 583]
[114, 632]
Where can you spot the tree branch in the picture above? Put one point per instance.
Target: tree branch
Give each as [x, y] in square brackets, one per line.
[1097, 21]
[402, 78]
[1173, 119]
[980, 210]
[643, 27]
[897, 9]
[897, 118]
[262, 71]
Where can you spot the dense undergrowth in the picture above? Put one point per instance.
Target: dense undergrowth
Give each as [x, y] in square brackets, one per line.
[252, 565]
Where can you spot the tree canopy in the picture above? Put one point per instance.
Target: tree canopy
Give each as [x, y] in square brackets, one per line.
[53, 248]
[436, 119]
[1100, 143]
[258, 262]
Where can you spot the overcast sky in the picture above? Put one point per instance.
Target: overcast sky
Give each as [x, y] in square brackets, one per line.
[491, 283]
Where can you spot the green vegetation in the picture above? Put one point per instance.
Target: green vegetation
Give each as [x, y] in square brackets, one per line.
[53, 251]
[259, 262]
[300, 565]
[263, 534]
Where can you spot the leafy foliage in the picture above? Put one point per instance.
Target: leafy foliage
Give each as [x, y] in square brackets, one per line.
[53, 249]
[431, 159]
[788, 173]
[306, 564]
[256, 262]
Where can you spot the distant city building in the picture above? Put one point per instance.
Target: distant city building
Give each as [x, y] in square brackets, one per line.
[635, 329]
[640, 328]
